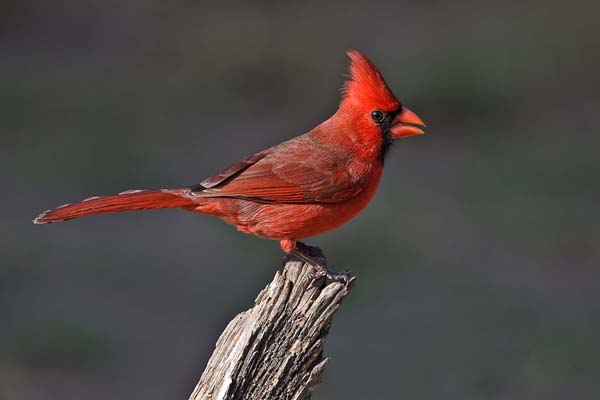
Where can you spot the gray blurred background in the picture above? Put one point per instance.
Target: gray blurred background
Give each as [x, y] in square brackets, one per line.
[478, 261]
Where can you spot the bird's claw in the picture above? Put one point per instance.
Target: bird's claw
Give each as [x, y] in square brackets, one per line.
[344, 277]
[314, 256]
[316, 273]
[321, 271]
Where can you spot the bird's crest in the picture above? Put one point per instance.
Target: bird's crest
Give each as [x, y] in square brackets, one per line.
[365, 86]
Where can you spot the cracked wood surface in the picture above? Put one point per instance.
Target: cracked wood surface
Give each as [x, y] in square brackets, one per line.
[275, 349]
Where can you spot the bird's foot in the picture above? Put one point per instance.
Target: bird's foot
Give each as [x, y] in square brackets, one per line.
[314, 257]
[320, 271]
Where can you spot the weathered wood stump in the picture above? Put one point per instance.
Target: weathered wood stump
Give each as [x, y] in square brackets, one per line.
[275, 349]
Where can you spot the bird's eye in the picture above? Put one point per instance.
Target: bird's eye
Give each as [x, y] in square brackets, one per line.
[377, 115]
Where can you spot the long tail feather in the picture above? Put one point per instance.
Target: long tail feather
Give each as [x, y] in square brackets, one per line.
[126, 201]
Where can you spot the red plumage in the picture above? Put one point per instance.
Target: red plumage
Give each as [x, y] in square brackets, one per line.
[129, 200]
[302, 187]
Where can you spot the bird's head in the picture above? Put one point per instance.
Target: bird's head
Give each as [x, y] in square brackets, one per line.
[373, 106]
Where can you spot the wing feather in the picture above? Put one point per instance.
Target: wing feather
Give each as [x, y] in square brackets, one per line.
[297, 171]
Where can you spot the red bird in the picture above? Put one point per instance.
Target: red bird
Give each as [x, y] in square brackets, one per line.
[308, 185]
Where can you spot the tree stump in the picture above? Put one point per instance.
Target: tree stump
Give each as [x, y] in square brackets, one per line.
[275, 349]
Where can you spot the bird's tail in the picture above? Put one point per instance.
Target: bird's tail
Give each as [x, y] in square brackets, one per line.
[129, 200]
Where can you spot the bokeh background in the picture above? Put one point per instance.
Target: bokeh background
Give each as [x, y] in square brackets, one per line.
[478, 262]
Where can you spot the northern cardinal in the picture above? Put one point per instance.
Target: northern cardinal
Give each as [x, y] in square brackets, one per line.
[307, 185]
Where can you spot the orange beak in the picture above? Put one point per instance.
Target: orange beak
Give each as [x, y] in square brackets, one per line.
[406, 123]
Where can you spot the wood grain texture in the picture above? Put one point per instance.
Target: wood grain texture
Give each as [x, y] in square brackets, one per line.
[275, 349]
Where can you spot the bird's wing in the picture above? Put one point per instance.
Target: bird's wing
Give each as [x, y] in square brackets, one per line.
[297, 171]
[221, 178]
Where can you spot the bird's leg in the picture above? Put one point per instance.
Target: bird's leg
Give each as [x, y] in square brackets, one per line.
[313, 256]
